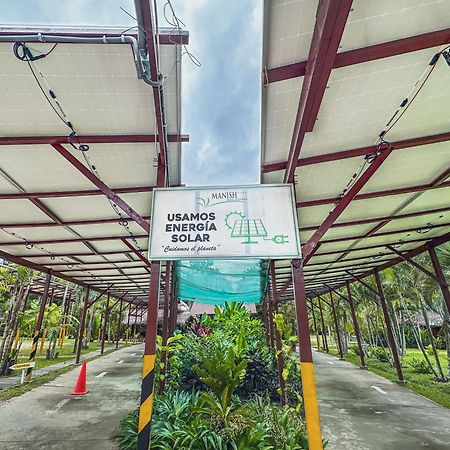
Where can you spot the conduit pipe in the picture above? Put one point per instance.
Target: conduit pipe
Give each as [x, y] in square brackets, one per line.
[141, 62]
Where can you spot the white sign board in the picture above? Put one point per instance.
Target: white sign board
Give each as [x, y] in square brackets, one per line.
[257, 221]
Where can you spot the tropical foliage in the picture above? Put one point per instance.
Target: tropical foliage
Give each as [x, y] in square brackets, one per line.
[225, 393]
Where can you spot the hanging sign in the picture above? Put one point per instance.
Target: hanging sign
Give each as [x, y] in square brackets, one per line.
[257, 221]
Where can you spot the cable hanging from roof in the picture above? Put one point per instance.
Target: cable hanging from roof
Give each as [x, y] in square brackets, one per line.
[29, 246]
[414, 92]
[382, 144]
[70, 264]
[176, 23]
[23, 53]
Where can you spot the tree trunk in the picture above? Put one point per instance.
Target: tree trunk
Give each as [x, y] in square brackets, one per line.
[89, 330]
[11, 328]
[396, 329]
[403, 337]
[433, 345]
[6, 330]
[418, 339]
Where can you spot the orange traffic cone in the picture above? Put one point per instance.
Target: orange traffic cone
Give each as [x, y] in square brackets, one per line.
[80, 387]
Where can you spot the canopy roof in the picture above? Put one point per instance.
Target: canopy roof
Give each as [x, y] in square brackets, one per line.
[333, 77]
[84, 214]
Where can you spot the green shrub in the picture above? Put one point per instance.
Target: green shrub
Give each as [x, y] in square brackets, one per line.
[285, 426]
[379, 353]
[260, 377]
[419, 365]
[128, 432]
[354, 349]
[217, 375]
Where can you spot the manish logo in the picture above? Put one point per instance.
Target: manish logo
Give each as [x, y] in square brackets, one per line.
[223, 197]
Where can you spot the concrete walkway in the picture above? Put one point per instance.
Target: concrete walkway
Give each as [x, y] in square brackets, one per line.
[7, 382]
[48, 417]
[362, 411]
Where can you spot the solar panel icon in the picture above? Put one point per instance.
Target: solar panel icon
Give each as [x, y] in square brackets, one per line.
[248, 229]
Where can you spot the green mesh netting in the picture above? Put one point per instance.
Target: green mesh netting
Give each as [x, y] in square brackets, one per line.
[217, 282]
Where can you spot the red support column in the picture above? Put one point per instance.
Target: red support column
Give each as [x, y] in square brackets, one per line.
[82, 325]
[173, 310]
[356, 327]
[336, 327]
[119, 323]
[270, 321]
[37, 328]
[278, 342]
[315, 326]
[390, 333]
[128, 323]
[306, 362]
[440, 274]
[165, 327]
[264, 313]
[148, 371]
[324, 331]
[105, 325]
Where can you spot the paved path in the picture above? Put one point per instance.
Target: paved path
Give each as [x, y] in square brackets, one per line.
[48, 417]
[6, 382]
[362, 411]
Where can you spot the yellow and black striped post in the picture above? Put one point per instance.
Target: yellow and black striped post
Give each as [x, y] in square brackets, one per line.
[37, 329]
[148, 371]
[306, 362]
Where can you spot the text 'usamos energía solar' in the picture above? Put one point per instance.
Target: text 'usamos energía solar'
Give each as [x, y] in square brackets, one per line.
[191, 227]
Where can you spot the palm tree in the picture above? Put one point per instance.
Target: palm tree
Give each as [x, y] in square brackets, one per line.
[416, 292]
[15, 282]
[443, 253]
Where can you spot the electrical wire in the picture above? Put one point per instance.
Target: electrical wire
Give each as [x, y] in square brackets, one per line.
[176, 23]
[23, 53]
[29, 246]
[418, 86]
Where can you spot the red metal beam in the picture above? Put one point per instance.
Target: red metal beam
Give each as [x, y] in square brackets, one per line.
[435, 242]
[123, 264]
[311, 246]
[78, 193]
[70, 240]
[368, 247]
[38, 267]
[136, 252]
[89, 139]
[70, 255]
[65, 223]
[150, 35]
[384, 233]
[330, 23]
[375, 194]
[366, 54]
[418, 266]
[362, 151]
[102, 186]
[380, 219]
[438, 181]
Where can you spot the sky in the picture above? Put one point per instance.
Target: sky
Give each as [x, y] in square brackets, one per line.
[221, 99]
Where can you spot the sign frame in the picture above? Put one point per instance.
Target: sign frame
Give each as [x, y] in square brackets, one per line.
[170, 257]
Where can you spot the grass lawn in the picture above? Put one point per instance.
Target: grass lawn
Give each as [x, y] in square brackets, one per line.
[423, 384]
